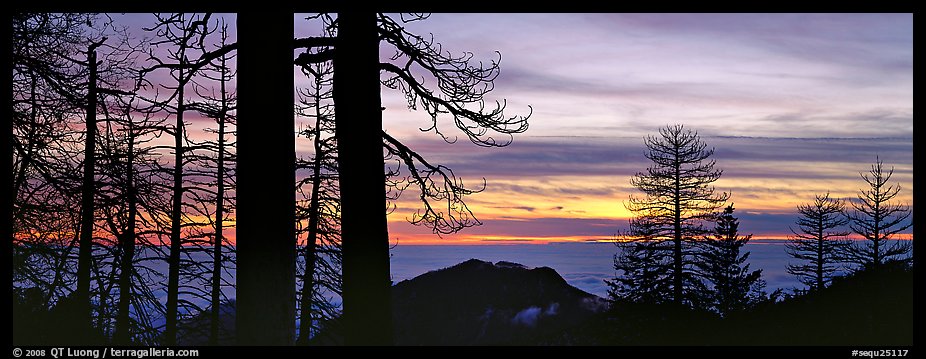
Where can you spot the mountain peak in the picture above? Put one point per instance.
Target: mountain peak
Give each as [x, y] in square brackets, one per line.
[505, 264]
[480, 303]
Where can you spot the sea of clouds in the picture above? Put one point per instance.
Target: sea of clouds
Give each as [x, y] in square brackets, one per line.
[583, 265]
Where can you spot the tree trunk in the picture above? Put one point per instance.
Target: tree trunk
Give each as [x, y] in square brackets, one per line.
[85, 248]
[127, 244]
[219, 217]
[367, 314]
[820, 256]
[677, 250]
[876, 255]
[266, 232]
[173, 261]
[305, 323]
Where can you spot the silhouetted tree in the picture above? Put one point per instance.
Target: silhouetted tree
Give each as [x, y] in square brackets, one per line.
[88, 187]
[356, 91]
[364, 234]
[877, 219]
[50, 93]
[46, 99]
[77, 81]
[733, 286]
[266, 197]
[174, 30]
[113, 260]
[127, 242]
[121, 149]
[817, 240]
[86, 172]
[223, 117]
[45, 144]
[643, 264]
[128, 164]
[46, 85]
[318, 212]
[677, 199]
[183, 37]
[215, 172]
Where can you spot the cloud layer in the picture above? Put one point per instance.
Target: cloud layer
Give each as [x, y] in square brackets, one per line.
[794, 104]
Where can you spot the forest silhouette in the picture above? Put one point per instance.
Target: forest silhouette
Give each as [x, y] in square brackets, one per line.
[123, 205]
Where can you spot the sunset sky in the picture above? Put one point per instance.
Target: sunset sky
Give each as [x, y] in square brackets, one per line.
[795, 105]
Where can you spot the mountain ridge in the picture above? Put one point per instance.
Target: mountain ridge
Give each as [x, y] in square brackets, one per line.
[482, 303]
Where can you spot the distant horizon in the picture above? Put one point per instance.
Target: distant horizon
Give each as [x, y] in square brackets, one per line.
[545, 241]
[531, 241]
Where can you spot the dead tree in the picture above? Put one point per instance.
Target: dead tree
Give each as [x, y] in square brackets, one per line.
[86, 264]
[61, 88]
[318, 211]
[217, 175]
[109, 102]
[877, 219]
[85, 246]
[182, 37]
[817, 241]
[47, 83]
[127, 160]
[106, 75]
[224, 117]
[128, 233]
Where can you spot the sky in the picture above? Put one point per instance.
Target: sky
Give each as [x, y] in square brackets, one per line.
[136, 25]
[794, 105]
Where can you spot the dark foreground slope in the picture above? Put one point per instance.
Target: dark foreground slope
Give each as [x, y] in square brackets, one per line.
[870, 308]
[481, 303]
[873, 307]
